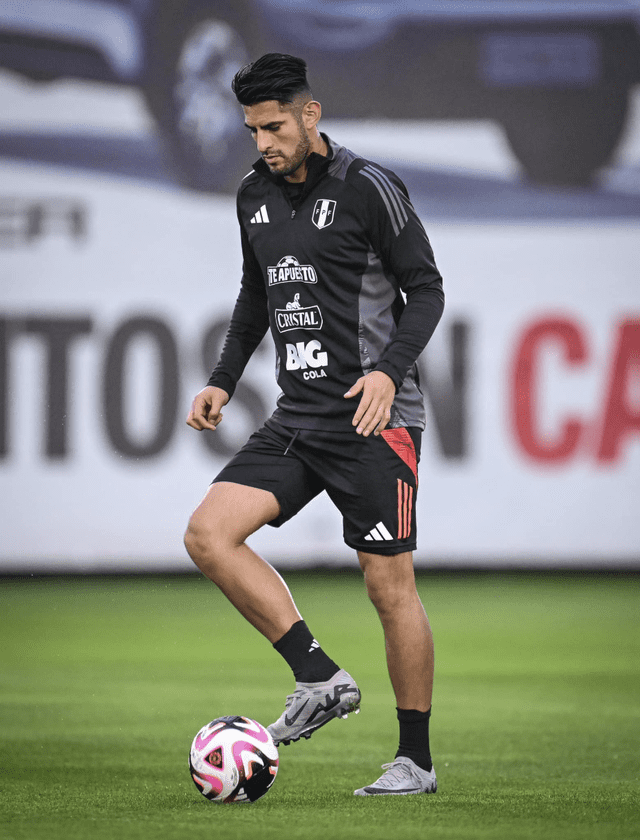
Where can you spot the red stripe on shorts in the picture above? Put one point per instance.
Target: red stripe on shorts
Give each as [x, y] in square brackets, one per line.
[405, 508]
[400, 441]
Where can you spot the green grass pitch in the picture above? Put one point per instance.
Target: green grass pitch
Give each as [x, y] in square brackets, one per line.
[535, 727]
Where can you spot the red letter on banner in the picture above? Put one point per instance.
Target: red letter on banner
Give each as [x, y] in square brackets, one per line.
[621, 418]
[525, 389]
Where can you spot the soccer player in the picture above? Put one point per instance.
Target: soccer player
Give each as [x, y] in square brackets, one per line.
[338, 266]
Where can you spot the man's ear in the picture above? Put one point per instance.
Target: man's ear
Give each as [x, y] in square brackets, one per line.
[311, 114]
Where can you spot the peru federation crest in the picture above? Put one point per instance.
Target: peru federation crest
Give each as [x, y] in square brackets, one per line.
[323, 212]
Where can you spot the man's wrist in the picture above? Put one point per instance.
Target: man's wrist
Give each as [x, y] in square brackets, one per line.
[385, 368]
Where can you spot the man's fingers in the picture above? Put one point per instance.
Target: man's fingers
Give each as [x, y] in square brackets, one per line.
[386, 417]
[361, 411]
[374, 420]
[199, 422]
[374, 410]
[365, 401]
[201, 417]
[205, 409]
[355, 388]
[370, 413]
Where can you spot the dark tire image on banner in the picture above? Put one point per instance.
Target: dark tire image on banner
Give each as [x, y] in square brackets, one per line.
[189, 93]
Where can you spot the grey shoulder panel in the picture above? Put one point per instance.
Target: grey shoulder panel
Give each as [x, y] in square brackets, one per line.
[391, 196]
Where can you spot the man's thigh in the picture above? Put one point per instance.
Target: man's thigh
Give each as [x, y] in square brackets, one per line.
[233, 512]
[268, 461]
[373, 481]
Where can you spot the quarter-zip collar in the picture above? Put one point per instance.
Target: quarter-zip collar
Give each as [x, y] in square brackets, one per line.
[317, 166]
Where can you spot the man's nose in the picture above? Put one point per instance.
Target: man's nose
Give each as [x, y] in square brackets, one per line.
[263, 141]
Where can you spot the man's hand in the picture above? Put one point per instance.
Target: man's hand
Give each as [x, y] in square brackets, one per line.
[374, 411]
[205, 409]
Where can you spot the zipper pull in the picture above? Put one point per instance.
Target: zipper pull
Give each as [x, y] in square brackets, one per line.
[293, 214]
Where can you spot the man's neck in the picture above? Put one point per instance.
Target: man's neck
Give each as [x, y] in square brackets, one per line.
[320, 147]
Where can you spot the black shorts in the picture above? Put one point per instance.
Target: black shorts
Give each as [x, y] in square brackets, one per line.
[372, 480]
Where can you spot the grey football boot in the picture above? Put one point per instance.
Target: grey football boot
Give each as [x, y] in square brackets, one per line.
[401, 777]
[313, 704]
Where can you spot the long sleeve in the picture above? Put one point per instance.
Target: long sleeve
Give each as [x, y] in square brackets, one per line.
[404, 248]
[248, 325]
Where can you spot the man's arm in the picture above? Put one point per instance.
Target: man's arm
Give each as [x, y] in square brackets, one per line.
[404, 247]
[248, 325]
[399, 238]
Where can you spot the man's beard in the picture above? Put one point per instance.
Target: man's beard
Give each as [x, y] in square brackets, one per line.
[289, 165]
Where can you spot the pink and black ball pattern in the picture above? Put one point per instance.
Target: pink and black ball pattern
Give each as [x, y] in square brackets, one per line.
[233, 759]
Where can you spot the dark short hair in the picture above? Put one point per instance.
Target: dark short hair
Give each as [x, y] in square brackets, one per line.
[273, 76]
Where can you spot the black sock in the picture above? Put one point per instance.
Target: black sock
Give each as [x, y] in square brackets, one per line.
[414, 737]
[304, 655]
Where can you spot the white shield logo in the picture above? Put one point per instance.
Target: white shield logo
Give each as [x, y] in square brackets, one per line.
[323, 212]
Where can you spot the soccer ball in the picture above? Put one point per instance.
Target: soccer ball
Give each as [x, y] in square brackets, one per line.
[233, 759]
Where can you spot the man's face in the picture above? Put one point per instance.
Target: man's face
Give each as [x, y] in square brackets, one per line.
[280, 136]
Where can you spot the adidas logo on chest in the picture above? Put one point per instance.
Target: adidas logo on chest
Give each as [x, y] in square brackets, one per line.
[261, 217]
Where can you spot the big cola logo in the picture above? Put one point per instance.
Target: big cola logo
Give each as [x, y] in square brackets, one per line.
[302, 356]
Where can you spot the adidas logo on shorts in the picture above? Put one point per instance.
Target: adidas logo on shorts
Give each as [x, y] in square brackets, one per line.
[380, 532]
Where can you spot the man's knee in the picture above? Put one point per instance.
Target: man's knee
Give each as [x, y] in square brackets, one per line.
[390, 581]
[198, 537]
[211, 534]
[227, 515]
[203, 544]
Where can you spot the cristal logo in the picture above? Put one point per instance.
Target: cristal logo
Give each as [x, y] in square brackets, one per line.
[289, 270]
[301, 356]
[298, 317]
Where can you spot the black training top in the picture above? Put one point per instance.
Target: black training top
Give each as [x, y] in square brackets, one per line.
[343, 273]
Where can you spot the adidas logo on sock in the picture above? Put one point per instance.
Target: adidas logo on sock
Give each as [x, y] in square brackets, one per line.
[314, 646]
[380, 532]
[261, 216]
